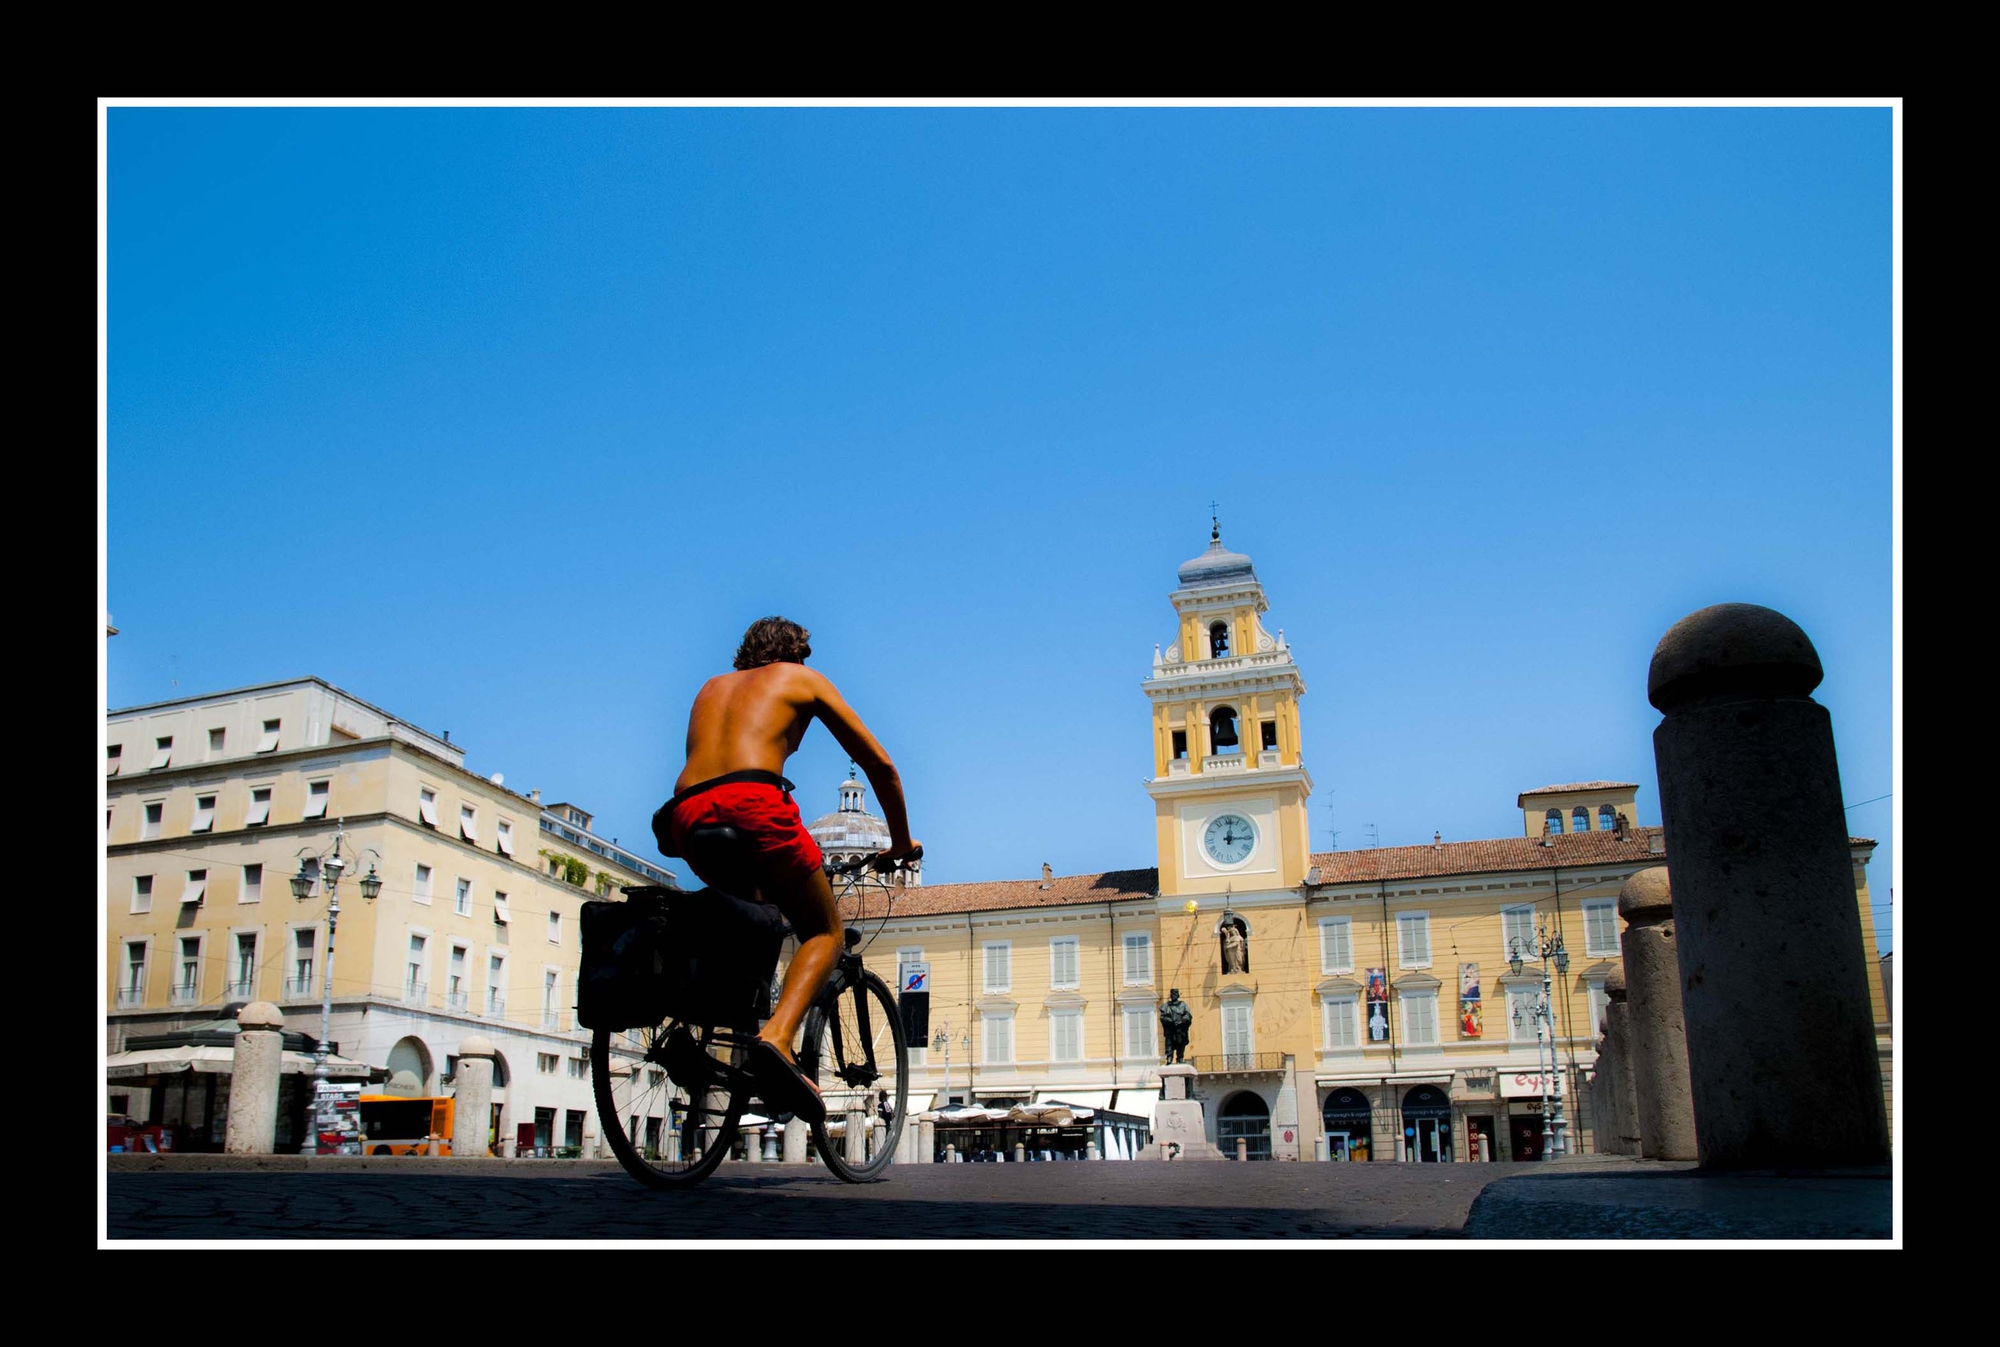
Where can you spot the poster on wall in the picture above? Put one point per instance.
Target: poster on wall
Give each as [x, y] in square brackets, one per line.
[1378, 1006]
[1470, 1024]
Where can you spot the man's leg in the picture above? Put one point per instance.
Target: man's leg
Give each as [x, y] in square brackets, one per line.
[806, 898]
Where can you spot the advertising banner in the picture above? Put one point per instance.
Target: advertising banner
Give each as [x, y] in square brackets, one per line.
[1470, 1024]
[1378, 1006]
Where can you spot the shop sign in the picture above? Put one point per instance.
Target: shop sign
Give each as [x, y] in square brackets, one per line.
[1516, 1084]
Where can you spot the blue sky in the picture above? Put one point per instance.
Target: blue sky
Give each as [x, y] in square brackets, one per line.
[511, 420]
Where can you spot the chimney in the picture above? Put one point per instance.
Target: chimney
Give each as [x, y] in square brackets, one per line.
[535, 797]
[1623, 829]
[447, 736]
[1437, 840]
[1047, 874]
[1546, 838]
[1657, 843]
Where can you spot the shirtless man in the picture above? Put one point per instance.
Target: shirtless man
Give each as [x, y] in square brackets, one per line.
[743, 727]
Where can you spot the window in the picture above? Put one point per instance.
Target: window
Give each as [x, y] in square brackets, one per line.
[1062, 961]
[1338, 1023]
[1580, 819]
[549, 998]
[197, 886]
[504, 837]
[999, 1034]
[253, 885]
[545, 1062]
[1517, 933]
[1268, 734]
[1139, 958]
[502, 914]
[113, 755]
[317, 794]
[1413, 939]
[579, 1069]
[1599, 1001]
[1066, 1036]
[454, 984]
[427, 806]
[463, 904]
[999, 967]
[416, 981]
[422, 889]
[187, 987]
[268, 741]
[154, 811]
[496, 986]
[1336, 947]
[1553, 821]
[1238, 1039]
[302, 962]
[215, 738]
[1218, 640]
[468, 823]
[1139, 1032]
[163, 752]
[1600, 928]
[310, 867]
[1420, 1018]
[246, 966]
[1521, 1002]
[1180, 744]
[260, 808]
[133, 990]
[1222, 731]
[1607, 818]
[555, 928]
[142, 893]
[204, 814]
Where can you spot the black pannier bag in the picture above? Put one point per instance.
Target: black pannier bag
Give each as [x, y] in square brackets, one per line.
[703, 957]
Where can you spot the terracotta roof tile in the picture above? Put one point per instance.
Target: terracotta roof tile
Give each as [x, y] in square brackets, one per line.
[1001, 894]
[1493, 854]
[1580, 785]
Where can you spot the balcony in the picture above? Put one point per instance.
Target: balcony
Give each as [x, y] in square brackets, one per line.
[548, 1019]
[457, 1000]
[131, 996]
[417, 993]
[243, 989]
[496, 1006]
[299, 989]
[1223, 1063]
[1222, 762]
[1228, 664]
[186, 994]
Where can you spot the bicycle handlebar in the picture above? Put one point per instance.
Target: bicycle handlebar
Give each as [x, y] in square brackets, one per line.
[876, 863]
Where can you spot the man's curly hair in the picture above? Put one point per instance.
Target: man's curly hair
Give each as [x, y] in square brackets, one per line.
[773, 640]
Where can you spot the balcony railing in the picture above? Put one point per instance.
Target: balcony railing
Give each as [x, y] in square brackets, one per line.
[1239, 1061]
[417, 993]
[548, 1019]
[496, 1006]
[298, 989]
[241, 990]
[457, 1000]
[131, 996]
[186, 994]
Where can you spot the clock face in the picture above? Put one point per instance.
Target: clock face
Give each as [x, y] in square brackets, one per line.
[1228, 839]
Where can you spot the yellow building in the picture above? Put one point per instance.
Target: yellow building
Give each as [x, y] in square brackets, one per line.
[215, 801]
[1376, 1013]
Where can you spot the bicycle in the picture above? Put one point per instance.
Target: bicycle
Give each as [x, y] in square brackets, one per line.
[850, 1039]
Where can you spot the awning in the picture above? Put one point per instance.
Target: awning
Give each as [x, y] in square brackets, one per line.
[212, 1060]
[1092, 1099]
[1392, 1078]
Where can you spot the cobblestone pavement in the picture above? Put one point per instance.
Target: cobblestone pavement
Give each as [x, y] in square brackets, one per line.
[183, 1198]
[1661, 1200]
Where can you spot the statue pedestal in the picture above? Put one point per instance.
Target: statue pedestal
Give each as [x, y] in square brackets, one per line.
[1178, 1132]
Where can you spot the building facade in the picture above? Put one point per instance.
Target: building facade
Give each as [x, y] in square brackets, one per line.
[217, 801]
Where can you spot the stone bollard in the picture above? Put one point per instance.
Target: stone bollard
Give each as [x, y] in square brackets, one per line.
[926, 1139]
[771, 1144]
[1242, 1149]
[950, 1153]
[1658, 1048]
[854, 1137]
[472, 1104]
[797, 1133]
[753, 1144]
[1774, 979]
[258, 1060]
[1622, 1107]
[1090, 1151]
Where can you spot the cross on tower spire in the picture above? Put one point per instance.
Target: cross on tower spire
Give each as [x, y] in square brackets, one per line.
[1214, 524]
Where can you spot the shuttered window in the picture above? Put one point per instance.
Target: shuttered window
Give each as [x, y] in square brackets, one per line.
[1139, 1032]
[505, 837]
[163, 751]
[1237, 1043]
[1600, 928]
[1420, 1018]
[142, 893]
[999, 966]
[260, 808]
[999, 1038]
[421, 889]
[317, 794]
[204, 814]
[1517, 932]
[1413, 935]
[1066, 1036]
[468, 823]
[1521, 1003]
[463, 905]
[154, 813]
[1139, 958]
[268, 741]
[1062, 961]
[1336, 952]
[1599, 1000]
[1338, 1013]
[427, 807]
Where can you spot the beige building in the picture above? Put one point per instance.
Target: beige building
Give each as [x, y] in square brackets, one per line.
[217, 801]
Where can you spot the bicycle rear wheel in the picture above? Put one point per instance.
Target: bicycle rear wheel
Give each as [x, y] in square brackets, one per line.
[853, 1049]
[685, 1111]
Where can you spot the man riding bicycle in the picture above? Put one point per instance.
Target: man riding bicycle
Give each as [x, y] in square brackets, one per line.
[741, 729]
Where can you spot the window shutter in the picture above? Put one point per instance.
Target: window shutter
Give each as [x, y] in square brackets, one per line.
[204, 814]
[1414, 931]
[1517, 929]
[1335, 955]
[506, 838]
[260, 808]
[427, 808]
[316, 797]
[468, 823]
[269, 740]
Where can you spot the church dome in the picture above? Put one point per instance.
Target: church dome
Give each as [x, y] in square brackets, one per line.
[1217, 566]
[852, 831]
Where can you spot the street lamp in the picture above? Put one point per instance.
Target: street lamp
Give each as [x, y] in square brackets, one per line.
[330, 866]
[1546, 946]
[942, 1040]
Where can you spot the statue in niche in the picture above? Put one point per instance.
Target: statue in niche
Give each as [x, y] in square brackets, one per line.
[1235, 945]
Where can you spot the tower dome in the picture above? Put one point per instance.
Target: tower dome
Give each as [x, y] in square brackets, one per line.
[1217, 566]
[852, 831]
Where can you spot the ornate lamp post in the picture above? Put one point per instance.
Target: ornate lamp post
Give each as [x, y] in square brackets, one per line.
[942, 1039]
[1546, 946]
[330, 865]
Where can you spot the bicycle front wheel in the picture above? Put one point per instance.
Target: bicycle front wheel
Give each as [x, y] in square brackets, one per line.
[853, 1049]
[672, 1119]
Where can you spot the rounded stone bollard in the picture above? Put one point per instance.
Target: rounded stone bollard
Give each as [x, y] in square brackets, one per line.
[854, 1137]
[950, 1153]
[1658, 1051]
[753, 1144]
[1243, 1149]
[1622, 1105]
[1774, 979]
[1090, 1151]
[926, 1139]
[797, 1133]
[258, 1060]
[472, 1105]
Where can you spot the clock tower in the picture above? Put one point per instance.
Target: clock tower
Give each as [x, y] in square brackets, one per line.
[1229, 786]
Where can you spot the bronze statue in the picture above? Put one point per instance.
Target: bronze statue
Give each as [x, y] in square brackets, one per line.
[1175, 1020]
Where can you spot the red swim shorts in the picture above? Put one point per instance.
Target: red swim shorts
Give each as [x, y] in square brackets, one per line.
[762, 814]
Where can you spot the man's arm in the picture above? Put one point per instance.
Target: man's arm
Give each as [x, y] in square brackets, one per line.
[868, 754]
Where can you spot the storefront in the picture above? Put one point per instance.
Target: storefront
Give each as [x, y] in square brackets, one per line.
[1523, 1092]
[1427, 1125]
[1349, 1132]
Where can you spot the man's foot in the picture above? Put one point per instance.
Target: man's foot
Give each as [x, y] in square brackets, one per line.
[781, 1083]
